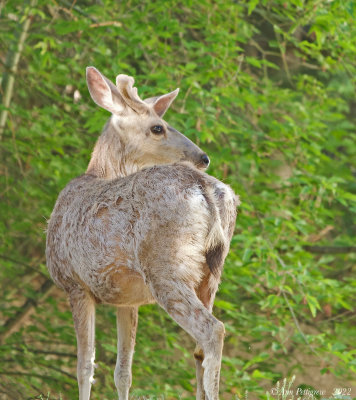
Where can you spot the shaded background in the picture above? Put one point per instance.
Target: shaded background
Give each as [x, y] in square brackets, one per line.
[267, 90]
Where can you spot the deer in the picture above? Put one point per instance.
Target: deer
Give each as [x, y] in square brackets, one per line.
[144, 224]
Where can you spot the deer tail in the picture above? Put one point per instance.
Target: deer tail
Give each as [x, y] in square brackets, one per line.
[216, 241]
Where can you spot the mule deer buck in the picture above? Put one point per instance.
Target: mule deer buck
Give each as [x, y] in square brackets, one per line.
[144, 224]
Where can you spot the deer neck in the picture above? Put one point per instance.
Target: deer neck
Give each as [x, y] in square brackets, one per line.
[111, 155]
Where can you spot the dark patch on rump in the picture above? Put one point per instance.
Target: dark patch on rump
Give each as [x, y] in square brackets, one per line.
[215, 258]
[199, 355]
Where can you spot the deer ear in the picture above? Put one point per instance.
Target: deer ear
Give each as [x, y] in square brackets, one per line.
[104, 92]
[162, 103]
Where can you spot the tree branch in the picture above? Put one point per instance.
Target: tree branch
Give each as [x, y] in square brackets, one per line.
[44, 377]
[330, 249]
[13, 61]
[27, 266]
[51, 353]
[14, 323]
[78, 10]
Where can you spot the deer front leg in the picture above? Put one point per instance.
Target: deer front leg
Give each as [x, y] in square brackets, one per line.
[183, 305]
[83, 309]
[126, 321]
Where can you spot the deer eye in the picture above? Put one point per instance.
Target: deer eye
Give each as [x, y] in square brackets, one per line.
[157, 129]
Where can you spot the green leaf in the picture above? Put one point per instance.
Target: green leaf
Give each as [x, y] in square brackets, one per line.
[252, 5]
[313, 304]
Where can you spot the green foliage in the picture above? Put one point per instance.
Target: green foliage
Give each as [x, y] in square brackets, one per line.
[267, 89]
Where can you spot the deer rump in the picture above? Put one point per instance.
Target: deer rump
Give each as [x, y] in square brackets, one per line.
[115, 238]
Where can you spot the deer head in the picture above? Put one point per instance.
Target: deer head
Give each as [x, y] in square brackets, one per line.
[136, 136]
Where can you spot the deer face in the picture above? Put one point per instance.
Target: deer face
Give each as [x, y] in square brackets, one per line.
[138, 125]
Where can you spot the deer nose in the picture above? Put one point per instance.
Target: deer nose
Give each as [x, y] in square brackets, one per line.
[205, 159]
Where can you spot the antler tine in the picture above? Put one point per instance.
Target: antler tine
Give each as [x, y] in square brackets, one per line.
[124, 84]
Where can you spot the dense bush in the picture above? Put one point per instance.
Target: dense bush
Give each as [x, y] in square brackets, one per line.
[267, 89]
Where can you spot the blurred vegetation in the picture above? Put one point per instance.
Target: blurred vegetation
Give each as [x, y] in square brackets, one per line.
[267, 89]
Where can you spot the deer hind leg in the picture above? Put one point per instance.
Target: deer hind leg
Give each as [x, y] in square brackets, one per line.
[183, 305]
[83, 309]
[199, 357]
[206, 294]
[126, 335]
